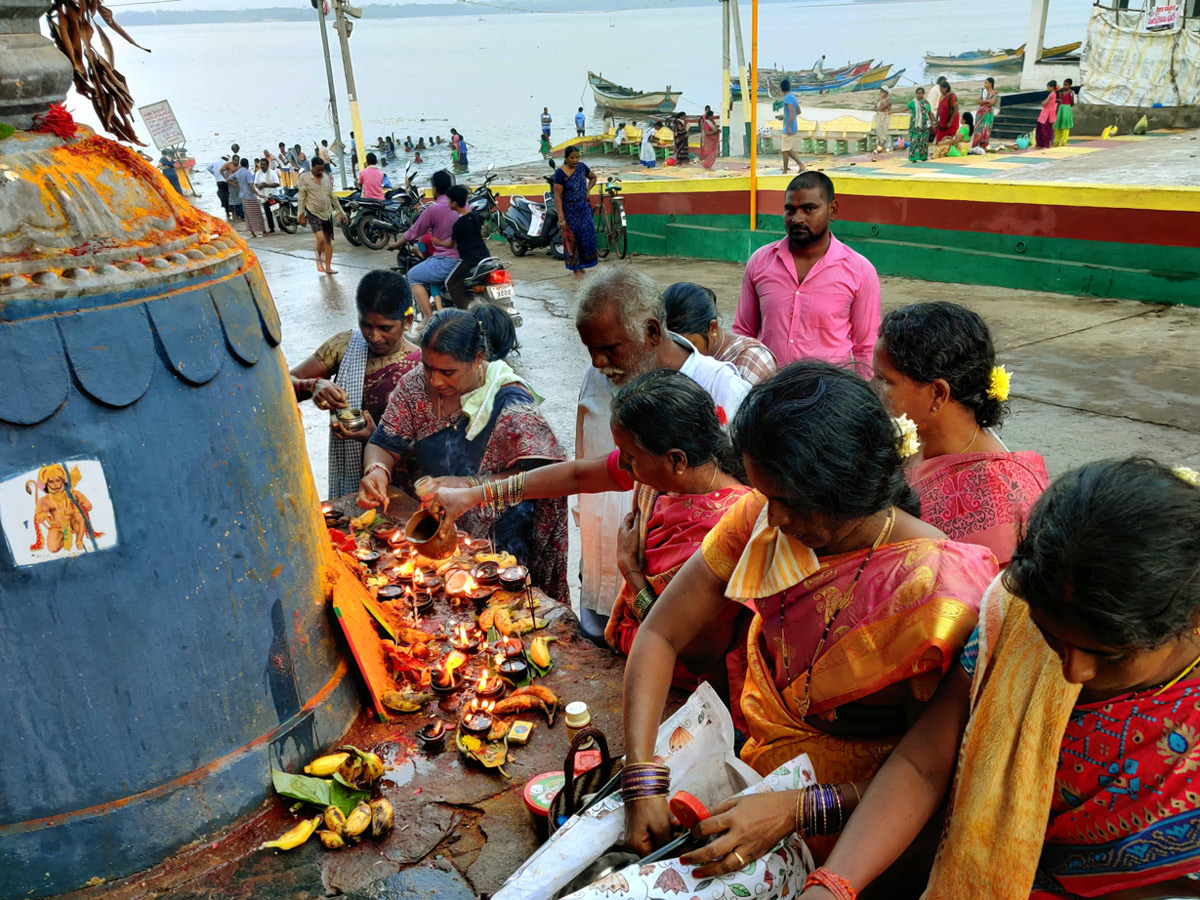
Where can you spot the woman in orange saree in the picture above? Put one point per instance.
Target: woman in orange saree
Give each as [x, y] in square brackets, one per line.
[1071, 730]
[860, 606]
[935, 363]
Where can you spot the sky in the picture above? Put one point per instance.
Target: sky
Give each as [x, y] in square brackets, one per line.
[143, 6]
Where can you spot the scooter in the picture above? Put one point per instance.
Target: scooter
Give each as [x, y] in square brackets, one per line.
[529, 226]
[488, 281]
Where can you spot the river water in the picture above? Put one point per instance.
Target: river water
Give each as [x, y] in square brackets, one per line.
[489, 76]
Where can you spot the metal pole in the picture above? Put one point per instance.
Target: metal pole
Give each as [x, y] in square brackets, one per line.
[726, 94]
[747, 101]
[337, 132]
[343, 30]
[753, 115]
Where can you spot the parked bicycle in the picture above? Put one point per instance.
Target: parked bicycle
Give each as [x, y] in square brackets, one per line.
[610, 220]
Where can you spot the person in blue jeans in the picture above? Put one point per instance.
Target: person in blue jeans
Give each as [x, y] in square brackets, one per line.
[437, 219]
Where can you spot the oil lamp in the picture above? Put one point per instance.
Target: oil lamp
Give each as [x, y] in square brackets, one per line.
[476, 717]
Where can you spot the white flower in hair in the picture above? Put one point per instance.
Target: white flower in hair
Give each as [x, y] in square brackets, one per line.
[907, 441]
[1191, 476]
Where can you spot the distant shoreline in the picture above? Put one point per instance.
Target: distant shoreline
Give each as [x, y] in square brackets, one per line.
[376, 11]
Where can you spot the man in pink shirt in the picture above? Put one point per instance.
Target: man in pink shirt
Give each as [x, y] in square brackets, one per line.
[370, 179]
[809, 296]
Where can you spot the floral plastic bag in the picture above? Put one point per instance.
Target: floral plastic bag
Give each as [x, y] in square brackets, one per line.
[697, 743]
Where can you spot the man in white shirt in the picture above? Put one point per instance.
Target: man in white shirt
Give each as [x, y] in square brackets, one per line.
[265, 182]
[621, 320]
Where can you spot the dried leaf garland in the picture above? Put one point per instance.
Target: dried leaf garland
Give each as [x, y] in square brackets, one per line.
[73, 26]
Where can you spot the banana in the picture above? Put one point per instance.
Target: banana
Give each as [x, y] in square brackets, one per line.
[383, 817]
[539, 652]
[486, 619]
[405, 701]
[537, 690]
[294, 837]
[331, 840]
[335, 820]
[351, 770]
[373, 767]
[358, 821]
[498, 731]
[503, 622]
[324, 766]
[524, 626]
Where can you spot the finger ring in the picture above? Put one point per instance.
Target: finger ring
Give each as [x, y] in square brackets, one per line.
[739, 858]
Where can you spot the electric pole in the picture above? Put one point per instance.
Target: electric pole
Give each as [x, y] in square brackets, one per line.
[337, 131]
[343, 27]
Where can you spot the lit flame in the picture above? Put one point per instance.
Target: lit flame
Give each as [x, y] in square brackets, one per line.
[326, 508]
[460, 633]
[418, 576]
[406, 568]
[363, 553]
[471, 587]
[483, 681]
[453, 661]
[499, 658]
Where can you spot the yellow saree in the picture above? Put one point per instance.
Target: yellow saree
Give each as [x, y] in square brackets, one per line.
[894, 637]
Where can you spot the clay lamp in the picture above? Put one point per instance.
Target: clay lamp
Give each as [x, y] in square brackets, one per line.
[432, 736]
[369, 558]
[477, 545]
[514, 579]
[489, 688]
[332, 516]
[465, 640]
[476, 717]
[384, 533]
[510, 648]
[426, 582]
[390, 592]
[486, 574]
[403, 573]
[448, 678]
[515, 669]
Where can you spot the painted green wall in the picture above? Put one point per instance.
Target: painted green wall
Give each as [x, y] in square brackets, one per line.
[1095, 268]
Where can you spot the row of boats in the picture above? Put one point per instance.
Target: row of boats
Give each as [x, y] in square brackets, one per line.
[860, 76]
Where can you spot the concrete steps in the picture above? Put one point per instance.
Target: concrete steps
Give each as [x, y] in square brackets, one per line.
[1014, 121]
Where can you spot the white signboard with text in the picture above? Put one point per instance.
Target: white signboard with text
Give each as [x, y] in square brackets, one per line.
[163, 126]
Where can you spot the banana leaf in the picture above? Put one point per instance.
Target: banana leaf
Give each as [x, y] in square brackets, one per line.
[345, 796]
[320, 792]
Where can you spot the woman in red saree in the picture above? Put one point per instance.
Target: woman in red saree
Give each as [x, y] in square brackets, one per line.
[1073, 716]
[860, 607]
[935, 363]
[947, 112]
[672, 452]
[710, 138]
[360, 369]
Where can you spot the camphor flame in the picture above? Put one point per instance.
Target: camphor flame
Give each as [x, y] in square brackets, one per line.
[453, 661]
[483, 681]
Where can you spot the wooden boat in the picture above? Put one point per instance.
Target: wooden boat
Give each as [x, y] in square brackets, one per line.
[978, 59]
[885, 80]
[610, 95]
[1061, 50]
[770, 79]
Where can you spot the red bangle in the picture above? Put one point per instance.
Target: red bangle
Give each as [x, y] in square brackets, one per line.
[835, 884]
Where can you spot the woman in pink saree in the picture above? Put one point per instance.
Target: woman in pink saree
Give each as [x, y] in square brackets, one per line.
[710, 138]
[935, 364]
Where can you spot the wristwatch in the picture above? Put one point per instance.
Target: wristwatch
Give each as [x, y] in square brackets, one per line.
[643, 601]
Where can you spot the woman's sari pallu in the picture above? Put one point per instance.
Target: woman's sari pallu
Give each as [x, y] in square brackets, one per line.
[898, 631]
[1054, 799]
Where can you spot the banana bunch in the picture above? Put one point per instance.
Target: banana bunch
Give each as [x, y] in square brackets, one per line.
[364, 769]
[340, 830]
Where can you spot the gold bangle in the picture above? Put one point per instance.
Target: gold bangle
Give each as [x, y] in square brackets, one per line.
[796, 821]
[857, 795]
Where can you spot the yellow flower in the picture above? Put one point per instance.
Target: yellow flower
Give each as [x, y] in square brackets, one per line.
[907, 441]
[1191, 476]
[998, 384]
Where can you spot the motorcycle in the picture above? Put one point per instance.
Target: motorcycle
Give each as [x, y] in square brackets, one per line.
[380, 222]
[530, 226]
[282, 203]
[488, 281]
[350, 208]
[484, 201]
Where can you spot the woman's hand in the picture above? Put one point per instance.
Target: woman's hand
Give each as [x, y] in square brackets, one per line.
[629, 545]
[453, 501]
[327, 395]
[750, 825]
[647, 824]
[817, 893]
[362, 435]
[372, 489]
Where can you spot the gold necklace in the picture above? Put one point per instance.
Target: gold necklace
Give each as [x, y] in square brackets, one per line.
[970, 442]
[1178, 678]
[802, 704]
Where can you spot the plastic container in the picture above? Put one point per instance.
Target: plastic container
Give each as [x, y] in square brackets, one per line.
[539, 793]
[578, 718]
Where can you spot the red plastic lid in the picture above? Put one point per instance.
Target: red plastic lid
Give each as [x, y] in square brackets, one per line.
[540, 791]
[585, 760]
[687, 809]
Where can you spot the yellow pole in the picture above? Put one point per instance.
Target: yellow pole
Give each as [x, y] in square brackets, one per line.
[753, 115]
